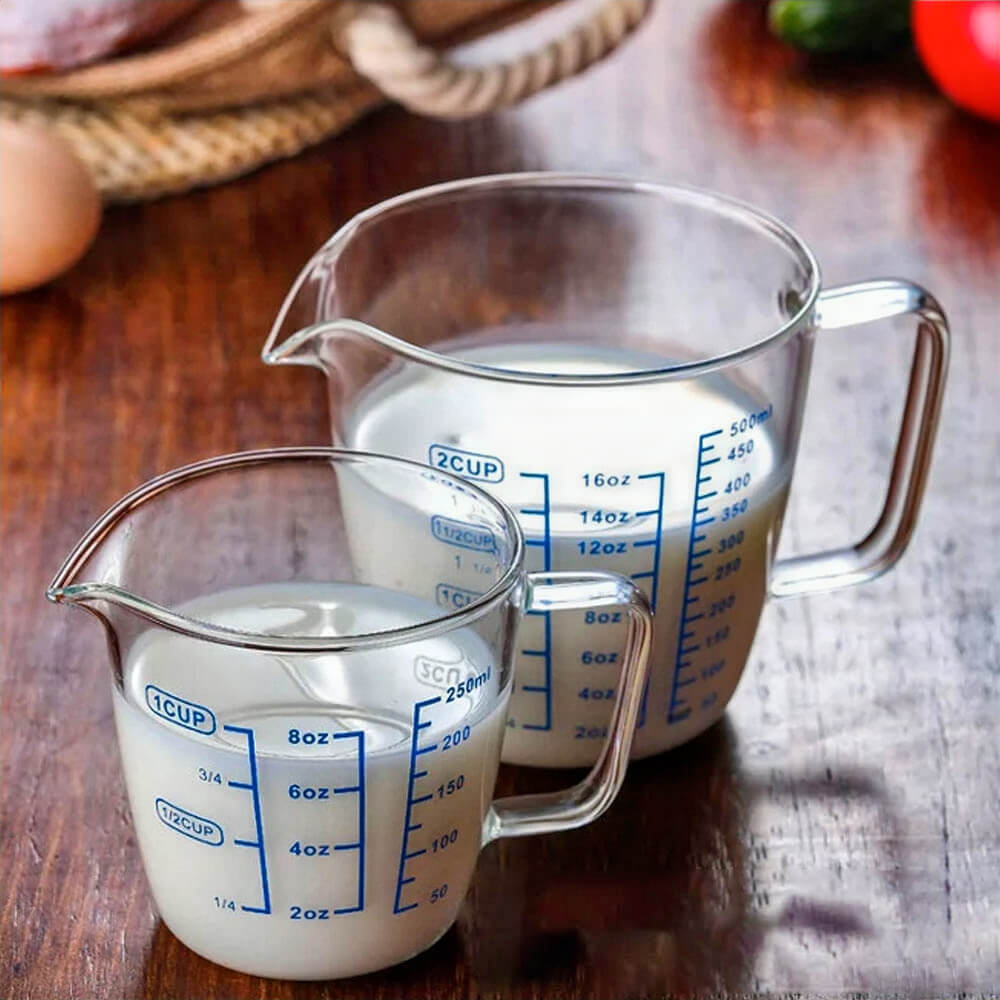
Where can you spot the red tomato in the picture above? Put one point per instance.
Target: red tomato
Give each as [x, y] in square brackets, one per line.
[959, 45]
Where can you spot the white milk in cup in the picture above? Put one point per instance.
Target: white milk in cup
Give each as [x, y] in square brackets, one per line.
[309, 744]
[688, 506]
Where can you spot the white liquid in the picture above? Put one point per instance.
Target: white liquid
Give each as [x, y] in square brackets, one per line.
[612, 473]
[190, 818]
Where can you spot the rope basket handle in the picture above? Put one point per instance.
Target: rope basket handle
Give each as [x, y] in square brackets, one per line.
[379, 44]
[382, 47]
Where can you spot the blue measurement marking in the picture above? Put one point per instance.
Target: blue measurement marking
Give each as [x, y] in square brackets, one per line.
[545, 544]
[359, 844]
[679, 710]
[654, 588]
[405, 854]
[257, 844]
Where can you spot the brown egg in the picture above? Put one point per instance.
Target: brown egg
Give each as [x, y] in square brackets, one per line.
[49, 207]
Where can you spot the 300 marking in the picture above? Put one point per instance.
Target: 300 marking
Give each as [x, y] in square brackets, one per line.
[728, 542]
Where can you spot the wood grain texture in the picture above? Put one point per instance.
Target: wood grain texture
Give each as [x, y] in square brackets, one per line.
[839, 831]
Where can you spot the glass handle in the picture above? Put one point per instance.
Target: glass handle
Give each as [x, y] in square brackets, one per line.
[850, 305]
[522, 815]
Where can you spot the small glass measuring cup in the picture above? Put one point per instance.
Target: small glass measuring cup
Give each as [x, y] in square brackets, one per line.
[626, 365]
[310, 745]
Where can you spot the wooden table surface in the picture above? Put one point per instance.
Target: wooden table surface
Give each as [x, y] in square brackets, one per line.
[840, 830]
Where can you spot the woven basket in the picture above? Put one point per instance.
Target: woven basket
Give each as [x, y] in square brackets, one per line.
[232, 89]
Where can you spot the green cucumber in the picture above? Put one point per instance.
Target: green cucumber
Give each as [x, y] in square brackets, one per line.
[840, 25]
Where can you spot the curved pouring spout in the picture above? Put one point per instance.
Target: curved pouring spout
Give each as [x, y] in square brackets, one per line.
[322, 324]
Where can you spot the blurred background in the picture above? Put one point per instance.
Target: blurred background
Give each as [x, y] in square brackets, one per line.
[840, 829]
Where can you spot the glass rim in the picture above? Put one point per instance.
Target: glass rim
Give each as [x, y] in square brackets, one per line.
[746, 214]
[61, 589]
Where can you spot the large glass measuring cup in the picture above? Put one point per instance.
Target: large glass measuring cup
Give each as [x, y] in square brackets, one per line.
[309, 744]
[626, 365]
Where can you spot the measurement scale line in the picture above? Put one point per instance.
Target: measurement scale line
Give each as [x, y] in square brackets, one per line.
[545, 544]
[654, 588]
[245, 843]
[408, 826]
[675, 713]
[359, 790]
[252, 787]
[645, 544]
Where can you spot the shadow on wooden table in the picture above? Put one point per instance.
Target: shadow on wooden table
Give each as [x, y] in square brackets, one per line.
[658, 897]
